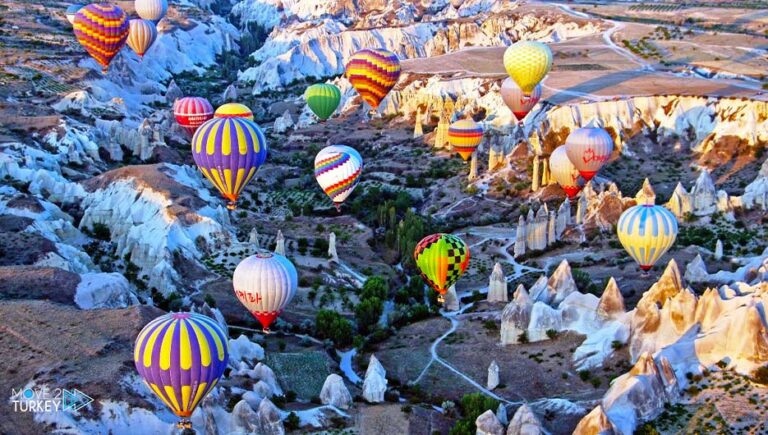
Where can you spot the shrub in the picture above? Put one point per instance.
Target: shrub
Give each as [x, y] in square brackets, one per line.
[760, 375]
[332, 325]
[367, 314]
[292, 422]
[375, 287]
[584, 375]
[101, 232]
[616, 345]
[523, 337]
[472, 405]
[551, 334]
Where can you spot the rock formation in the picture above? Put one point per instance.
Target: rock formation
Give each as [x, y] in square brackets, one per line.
[283, 123]
[719, 250]
[262, 372]
[520, 237]
[280, 243]
[270, 421]
[563, 218]
[703, 195]
[375, 382]
[488, 424]
[244, 416]
[536, 177]
[332, 254]
[595, 423]
[680, 202]
[516, 316]
[562, 282]
[104, 290]
[173, 93]
[253, 240]
[611, 302]
[451, 300]
[756, 192]
[524, 422]
[497, 285]
[552, 228]
[696, 270]
[501, 414]
[335, 393]
[473, 167]
[230, 94]
[418, 131]
[493, 375]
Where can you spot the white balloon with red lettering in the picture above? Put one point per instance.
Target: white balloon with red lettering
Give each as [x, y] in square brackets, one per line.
[589, 149]
[265, 283]
[564, 172]
[519, 103]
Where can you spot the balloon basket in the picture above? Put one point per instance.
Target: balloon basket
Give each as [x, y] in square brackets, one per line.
[266, 331]
[338, 207]
[231, 205]
[440, 299]
[184, 424]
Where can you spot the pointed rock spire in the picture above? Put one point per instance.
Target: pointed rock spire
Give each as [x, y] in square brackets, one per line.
[451, 300]
[493, 375]
[497, 285]
[595, 423]
[646, 195]
[524, 422]
[611, 302]
[280, 243]
[332, 254]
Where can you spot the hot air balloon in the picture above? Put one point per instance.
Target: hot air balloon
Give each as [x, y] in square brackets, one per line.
[228, 151]
[152, 10]
[589, 148]
[514, 97]
[142, 35]
[181, 357]
[71, 12]
[192, 112]
[647, 231]
[337, 170]
[564, 172]
[101, 28]
[373, 73]
[441, 260]
[233, 110]
[527, 62]
[464, 136]
[265, 283]
[322, 99]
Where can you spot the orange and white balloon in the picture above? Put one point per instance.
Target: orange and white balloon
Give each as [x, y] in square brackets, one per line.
[589, 149]
[141, 36]
[563, 171]
[265, 283]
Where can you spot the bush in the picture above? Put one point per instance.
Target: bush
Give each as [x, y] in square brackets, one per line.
[616, 345]
[551, 334]
[292, 422]
[472, 405]
[367, 314]
[101, 232]
[523, 337]
[760, 375]
[584, 375]
[332, 325]
[375, 287]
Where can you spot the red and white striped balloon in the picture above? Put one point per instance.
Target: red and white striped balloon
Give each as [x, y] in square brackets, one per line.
[141, 36]
[589, 149]
[265, 283]
[192, 112]
[514, 97]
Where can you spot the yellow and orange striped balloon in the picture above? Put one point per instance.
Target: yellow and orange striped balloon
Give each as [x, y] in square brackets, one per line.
[464, 136]
[373, 73]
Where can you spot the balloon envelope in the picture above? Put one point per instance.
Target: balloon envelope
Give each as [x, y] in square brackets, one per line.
[647, 231]
[464, 136]
[152, 10]
[322, 99]
[441, 260]
[265, 283]
[181, 357]
[589, 148]
[514, 97]
[102, 29]
[192, 112]
[527, 63]
[563, 171]
[373, 73]
[141, 36]
[228, 151]
[337, 170]
[233, 110]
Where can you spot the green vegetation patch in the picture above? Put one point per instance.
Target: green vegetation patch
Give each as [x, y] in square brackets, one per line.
[302, 372]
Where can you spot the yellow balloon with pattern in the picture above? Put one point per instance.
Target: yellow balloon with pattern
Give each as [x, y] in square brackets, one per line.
[527, 63]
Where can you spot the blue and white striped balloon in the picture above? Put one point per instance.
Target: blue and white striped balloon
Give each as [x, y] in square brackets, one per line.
[647, 231]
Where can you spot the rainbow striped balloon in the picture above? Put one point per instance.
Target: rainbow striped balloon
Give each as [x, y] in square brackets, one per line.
[102, 29]
[141, 36]
[337, 170]
[233, 110]
[181, 357]
[464, 136]
[647, 231]
[373, 73]
[228, 151]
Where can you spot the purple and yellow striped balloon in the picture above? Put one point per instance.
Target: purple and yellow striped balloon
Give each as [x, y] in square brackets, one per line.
[102, 29]
[373, 73]
[228, 151]
[181, 357]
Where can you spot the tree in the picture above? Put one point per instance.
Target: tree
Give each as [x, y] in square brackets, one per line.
[332, 325]
[472, 405]
[375, 287]
[367, 313]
